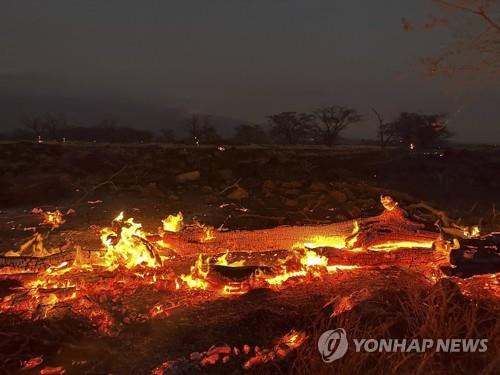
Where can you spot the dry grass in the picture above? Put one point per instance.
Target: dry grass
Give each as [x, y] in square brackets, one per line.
[415, 312]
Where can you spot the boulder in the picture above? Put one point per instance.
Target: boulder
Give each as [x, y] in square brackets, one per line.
[317, 186]
[338, 196]
[187, 177]
[238, 194]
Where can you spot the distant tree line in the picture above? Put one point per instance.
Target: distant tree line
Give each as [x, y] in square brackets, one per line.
[323, 125]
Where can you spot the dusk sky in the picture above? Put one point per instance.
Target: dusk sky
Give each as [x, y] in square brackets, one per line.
[241, 59]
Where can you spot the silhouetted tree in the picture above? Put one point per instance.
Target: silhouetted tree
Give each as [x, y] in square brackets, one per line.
[49, 127]
[208, 131]
[291, 127]
[331, 120]
[421, 131]
[167, 135]
[193, 128]
[247, 134]
[385, 131]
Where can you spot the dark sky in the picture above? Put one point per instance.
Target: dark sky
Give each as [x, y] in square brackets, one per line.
[242, 59]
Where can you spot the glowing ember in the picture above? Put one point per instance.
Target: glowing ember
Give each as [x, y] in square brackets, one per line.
[394, 245]
[323, 241]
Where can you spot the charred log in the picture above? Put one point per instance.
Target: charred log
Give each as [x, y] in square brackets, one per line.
[476, 256]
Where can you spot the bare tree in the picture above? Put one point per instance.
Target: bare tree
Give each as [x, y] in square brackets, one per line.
[48, 127]
[331, 120]
[385, 131]
[476, 28]
[35, 125]
[208, 131]
[415, 130]
[167, 135]
[290, 127]
[248, 134]
[193, 128]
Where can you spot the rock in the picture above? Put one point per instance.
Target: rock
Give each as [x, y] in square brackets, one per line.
[211, 199]
[268, 185]
[292, 192]
[187, 177]
[352, 210]
[238, 194]
[206, 189]
[367, 203]
[226, 175]
[350, 195]
[338, 196]
[152, 190]
[173, 197]
[291, 185]
[291, 203]
[318, 187]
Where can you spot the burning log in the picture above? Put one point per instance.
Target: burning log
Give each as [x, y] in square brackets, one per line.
[412, 257]
[390, 230]
[128, 244]
[20, 264]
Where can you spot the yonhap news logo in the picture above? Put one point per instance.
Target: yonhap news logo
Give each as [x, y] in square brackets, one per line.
[333, 345]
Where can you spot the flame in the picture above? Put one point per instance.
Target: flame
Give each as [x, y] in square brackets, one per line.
[126, 246]
[311, 264]
[312, 259]
[222, 261]
[197, 275]
[173, 223]
[293, 339]
[119, 217]
[472, 232]
[55, 218]
[208, 234]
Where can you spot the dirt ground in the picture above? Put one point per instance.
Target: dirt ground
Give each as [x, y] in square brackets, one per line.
[233, 188]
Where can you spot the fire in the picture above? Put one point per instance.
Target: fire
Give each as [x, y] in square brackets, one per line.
[312, 259]
[55, 218]
[131, 262]
[173, 223]
[222, 261]
[338, 242]
[208, 234]
[311, 264]
[197, 275]
[126, 246]
[472, 232]
[323, 241]
[394, 245]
